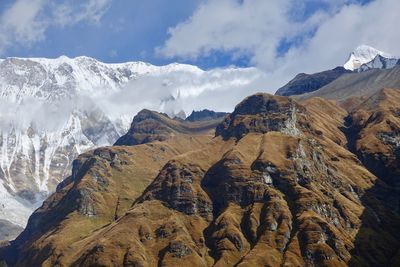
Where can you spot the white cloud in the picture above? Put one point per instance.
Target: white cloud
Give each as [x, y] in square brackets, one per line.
[71, 12]
[256, 28]
[19, 23]
[251, 28]
[26, 21]
[191, 89]
[372, 24]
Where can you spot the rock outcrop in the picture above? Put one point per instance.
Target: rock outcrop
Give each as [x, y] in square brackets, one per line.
[262, 113]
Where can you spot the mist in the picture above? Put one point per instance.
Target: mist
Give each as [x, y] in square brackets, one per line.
[217, 89]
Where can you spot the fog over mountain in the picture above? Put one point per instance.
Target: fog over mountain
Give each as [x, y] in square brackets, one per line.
[51, 110]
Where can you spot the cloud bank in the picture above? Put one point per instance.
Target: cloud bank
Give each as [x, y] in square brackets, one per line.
[187, 90]
[281, 38]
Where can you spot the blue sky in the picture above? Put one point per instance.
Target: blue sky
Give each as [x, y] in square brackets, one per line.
[160, 31]
[128, 30]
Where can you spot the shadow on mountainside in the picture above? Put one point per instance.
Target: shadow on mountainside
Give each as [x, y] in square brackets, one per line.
[377, 242]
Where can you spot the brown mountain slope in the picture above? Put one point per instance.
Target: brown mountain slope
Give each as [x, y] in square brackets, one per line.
[374, 128]
[102, 187]
[276, 187]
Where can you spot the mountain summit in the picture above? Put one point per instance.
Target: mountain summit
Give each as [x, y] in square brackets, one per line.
[362, 59]
[365, 54]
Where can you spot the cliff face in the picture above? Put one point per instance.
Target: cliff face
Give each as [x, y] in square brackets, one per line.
[282, 183]
[261, 114]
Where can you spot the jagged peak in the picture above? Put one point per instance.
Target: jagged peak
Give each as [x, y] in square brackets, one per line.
[362, 55]
[262, 113]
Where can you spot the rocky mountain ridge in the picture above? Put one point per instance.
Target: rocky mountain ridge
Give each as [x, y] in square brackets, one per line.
[380, 62]
[283, 183]
[304, 83]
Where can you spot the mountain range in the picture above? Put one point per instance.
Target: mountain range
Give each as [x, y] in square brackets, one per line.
[303, 179]
[52, 110]
[281, 182]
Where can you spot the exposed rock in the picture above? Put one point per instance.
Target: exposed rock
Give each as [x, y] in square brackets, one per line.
[102, 187]
[305, 83]
[179, 249]
[379, 62]
[376, 128]
[263, 113]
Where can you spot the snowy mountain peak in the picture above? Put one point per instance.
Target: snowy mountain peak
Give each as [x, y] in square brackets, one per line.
[364, 54]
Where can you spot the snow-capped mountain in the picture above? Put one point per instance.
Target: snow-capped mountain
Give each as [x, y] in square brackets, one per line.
[53, 109]
[380, 62]
[366, 57]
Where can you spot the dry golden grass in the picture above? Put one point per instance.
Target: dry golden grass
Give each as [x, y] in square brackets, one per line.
[262, 198]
